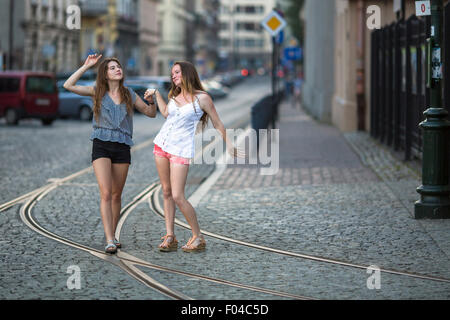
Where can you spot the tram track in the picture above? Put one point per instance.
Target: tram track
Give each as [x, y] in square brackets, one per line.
[128, 262]
[122, 259]
[155, 207]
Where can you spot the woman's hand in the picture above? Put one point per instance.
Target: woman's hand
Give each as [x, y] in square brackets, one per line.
[236, 152]
[148, 95]
[154, 96]
[92, 59]
[70, 83]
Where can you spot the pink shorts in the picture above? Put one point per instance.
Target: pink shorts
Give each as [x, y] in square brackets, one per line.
[157, 151]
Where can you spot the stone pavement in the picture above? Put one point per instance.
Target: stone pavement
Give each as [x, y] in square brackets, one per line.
[338, 196]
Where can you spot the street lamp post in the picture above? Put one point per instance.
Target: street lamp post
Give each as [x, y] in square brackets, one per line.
[434, 192]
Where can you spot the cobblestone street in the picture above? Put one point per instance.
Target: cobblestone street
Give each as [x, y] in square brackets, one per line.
[336, 197]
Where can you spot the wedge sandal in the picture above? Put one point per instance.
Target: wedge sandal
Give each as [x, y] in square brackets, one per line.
[167, 245]
[195, 244]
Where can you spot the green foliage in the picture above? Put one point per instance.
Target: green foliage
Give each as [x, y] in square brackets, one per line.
[292, 14]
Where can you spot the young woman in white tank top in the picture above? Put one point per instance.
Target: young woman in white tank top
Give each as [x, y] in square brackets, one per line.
[174, 147]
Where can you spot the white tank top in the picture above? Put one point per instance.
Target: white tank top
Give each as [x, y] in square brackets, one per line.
[177, 133]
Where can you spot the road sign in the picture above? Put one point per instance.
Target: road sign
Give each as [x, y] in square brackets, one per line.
[293, 53]
[423, 8]
[280, 37]
[273, 23]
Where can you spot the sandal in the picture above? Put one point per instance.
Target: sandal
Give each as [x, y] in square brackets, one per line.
[117, 243]
[111, 247]
[195, 244]
[167, 245]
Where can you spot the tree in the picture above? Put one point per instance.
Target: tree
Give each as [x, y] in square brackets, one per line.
[292, 14]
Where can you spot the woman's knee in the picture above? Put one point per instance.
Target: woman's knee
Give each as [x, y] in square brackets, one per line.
[116, 196]
[167, 192]
[105, 195]
[178, 198]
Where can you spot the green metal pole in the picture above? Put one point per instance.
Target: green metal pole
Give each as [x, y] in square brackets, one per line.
[434, 192]
[11, 37]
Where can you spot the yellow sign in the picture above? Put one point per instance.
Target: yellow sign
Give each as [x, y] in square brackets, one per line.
[273, 23]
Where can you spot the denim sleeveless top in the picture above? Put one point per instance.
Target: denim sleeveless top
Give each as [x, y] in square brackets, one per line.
[114, 123]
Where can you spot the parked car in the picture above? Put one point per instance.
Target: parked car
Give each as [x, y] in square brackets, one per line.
[137, 87]
[229, 78]
[26, 94]
[215, 88]
[89, 75]
[161, 83]
[72, 105]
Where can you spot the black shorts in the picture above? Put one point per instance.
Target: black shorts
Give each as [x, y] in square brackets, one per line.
[117, 152]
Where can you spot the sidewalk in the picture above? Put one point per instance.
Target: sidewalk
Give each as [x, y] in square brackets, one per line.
[338, 196]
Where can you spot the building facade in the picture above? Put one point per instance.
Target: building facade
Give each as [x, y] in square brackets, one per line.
[175, 21]
[338, 80]
[243, 41]
[318, 88]
[148, 37]
[206, 40]
[41, 39]
[112, 27]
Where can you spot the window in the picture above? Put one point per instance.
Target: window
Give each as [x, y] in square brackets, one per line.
[9, 84]
[224, 26]
[224, 9]
[40, 85]
[34, 11]
[249, 43]
[249, 9]
[224, 42]
[34, 41]
[55, 14]
[248, 26]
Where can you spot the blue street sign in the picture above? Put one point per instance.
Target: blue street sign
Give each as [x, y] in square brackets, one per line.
[279, 38]
[131, 63]
[293, 53]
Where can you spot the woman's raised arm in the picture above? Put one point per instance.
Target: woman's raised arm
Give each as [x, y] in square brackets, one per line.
[70, 83]
[207, 106]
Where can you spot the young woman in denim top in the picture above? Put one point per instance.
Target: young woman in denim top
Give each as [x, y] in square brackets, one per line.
[112, 135]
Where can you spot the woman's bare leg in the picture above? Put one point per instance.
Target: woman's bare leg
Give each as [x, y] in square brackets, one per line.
[163, 167]
[119, 176]
[102, 169]
[178, 176]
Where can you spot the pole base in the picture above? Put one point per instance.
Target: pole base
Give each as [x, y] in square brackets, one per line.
[431, 210]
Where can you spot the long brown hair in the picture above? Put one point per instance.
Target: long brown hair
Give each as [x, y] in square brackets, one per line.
[101, 87]
[190, 82]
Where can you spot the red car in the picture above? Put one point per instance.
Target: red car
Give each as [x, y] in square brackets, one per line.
[26, 94]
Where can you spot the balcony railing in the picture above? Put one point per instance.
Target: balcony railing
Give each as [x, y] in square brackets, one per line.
[93, 7]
